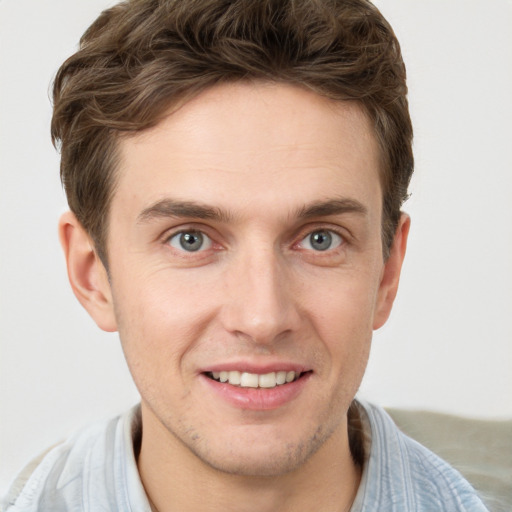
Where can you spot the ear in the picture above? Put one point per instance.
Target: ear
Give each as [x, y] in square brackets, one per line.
[391, 273]
[87, 274]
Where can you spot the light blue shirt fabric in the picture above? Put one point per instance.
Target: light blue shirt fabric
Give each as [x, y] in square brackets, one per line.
[402, 475]
[96, 471]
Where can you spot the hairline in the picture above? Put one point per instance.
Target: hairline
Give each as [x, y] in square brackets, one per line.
[173, 105]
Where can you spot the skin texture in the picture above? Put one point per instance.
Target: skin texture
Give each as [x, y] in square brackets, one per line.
[255, 169]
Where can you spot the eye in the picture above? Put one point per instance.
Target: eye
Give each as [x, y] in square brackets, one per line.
[190, 241]
[321, 240]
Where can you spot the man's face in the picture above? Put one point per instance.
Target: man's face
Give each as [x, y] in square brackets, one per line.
[245, 244]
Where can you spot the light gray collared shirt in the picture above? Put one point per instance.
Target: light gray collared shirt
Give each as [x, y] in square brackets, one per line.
[96, 471]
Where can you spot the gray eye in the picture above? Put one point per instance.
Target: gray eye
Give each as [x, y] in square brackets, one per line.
[322, 240]
[190, 241]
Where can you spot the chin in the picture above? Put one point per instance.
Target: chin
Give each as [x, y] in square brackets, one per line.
[257, 466]
[261, 456]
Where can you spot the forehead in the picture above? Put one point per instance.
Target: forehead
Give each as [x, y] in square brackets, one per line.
[252, 144]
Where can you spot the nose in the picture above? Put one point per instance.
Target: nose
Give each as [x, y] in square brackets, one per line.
[260, 304]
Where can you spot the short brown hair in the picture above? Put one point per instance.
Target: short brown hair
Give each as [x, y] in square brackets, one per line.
[140, 57]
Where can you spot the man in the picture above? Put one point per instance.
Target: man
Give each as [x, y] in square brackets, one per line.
[235, 173]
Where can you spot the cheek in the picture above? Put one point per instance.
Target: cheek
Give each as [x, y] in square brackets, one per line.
[342, 317]
[347, 340]
[159, 322]
[158, 299]
[344, 304]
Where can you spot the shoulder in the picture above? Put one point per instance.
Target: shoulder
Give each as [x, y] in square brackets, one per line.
[407, 476]
[62, 479]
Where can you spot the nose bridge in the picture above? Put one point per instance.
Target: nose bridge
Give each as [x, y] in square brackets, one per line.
[260, 305]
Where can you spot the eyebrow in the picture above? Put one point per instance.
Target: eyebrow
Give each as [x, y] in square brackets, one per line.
[190, 209]
[332, 207]
[186, 209]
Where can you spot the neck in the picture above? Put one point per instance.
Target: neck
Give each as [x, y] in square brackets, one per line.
[177, 480]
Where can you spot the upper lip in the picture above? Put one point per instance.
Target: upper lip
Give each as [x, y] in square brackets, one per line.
[258, 368]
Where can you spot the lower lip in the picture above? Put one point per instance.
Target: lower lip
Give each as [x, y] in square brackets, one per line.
[257, 399]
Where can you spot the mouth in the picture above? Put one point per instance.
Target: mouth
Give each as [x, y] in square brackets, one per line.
[256, 380]
[262, 390]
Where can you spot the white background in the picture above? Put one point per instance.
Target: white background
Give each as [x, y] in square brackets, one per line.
[448, 345]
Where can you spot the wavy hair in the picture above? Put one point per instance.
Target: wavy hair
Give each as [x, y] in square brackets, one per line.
[141, 57]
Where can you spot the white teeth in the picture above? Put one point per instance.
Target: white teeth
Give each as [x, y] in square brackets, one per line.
[249, 380]
[267, 381]
[254, 380]
[234, 378]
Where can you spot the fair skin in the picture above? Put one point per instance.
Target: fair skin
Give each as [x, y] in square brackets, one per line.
[245, 237]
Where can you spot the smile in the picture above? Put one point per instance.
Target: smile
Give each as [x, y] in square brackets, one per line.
[255, 390]
[255, 380]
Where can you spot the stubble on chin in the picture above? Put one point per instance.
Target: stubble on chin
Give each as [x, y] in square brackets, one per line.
[230, 460]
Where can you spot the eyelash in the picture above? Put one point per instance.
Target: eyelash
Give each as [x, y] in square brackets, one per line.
[303, 235]
[189, 231]
[342, 238]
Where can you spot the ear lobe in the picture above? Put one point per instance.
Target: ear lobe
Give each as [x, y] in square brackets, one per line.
[87, 274]
[391, 273]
